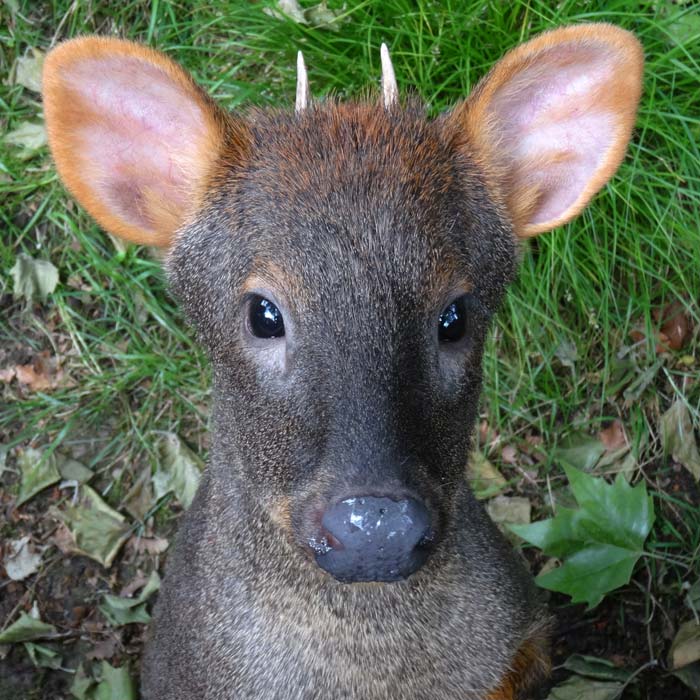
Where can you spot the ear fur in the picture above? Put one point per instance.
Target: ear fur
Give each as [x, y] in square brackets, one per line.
[134, 138]
[550, 122]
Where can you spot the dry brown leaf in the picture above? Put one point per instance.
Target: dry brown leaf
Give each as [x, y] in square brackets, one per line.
[138, 582]
[509, 454]
[7, 374]
[105, 649]
[686, 645]
[63, 539]
[148, 545]
[613, 437]
[675, 327]
[42, 374]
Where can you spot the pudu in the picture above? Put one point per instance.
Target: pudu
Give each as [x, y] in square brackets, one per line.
[341, 263]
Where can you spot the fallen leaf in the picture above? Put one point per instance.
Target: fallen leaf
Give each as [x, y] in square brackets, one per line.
[579, 450]
[29, 136]
[38, 471]
[678, 438]
[179, 470]
[594, 667]
[613, 437]
[685, 648]
[509, 510]
[509, 455]
[567, 354]
[7, 374]
[322, 17]
[42, 374]
[28, 70]
[62, 539]
[22, 559]
[124, 611]
[73, 470]
[288, 9]
[149, 545]
[675, 328]
[82, 685]
[485, 480]
[579, 688]
[115, 683]
[690, 675]
[26, 629]
[105, 649]
[139, 499]
[136, 584]
[43, 657]
[692, 599]
[628, 467]
[33, 279]
[671, 328]
[98, 531]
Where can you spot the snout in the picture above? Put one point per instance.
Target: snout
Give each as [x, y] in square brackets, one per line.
[373, 538]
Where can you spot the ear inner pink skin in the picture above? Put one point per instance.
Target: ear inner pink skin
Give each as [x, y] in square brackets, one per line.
[133, 138]
[140, 135]
[550, 115]
[550, 123]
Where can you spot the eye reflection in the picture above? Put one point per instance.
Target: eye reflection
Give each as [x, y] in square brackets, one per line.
[265, 319]
[454, 321]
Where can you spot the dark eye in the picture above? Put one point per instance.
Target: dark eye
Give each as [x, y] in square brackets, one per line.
[265, 319]
[452, 325]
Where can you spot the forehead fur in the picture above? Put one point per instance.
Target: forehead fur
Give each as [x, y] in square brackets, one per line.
[387, 182]
[384, 156]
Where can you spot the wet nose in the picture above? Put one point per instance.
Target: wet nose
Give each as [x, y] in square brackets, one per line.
[369, 538]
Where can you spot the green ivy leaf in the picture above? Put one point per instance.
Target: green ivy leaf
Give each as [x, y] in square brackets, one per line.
[116, 684]
[599, 543]
[125, 611]
[577, 688]
[594, 667]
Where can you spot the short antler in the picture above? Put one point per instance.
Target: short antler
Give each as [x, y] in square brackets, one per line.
[302, 85]
[390, 89]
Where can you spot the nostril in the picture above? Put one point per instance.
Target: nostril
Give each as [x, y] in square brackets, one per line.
[324, 543]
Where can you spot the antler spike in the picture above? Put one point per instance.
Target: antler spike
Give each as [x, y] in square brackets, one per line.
[390, 89]
[302, 101]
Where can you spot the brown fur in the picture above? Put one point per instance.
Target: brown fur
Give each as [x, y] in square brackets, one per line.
[529, 668]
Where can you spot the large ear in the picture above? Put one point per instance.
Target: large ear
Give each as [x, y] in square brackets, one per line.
[550, 122]
[135, 140]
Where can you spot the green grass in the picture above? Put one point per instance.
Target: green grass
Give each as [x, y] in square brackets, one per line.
[132, 363]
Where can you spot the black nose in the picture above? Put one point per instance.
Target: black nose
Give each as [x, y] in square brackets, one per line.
[372, 538]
